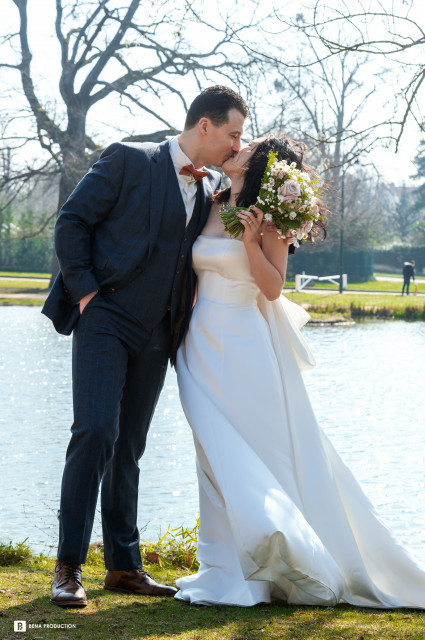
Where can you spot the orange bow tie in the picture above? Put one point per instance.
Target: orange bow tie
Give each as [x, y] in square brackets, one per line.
[189, 170]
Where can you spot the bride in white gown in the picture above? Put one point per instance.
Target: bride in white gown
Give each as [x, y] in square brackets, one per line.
[281, 516]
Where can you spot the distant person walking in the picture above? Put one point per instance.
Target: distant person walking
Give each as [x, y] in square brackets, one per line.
[408, 272]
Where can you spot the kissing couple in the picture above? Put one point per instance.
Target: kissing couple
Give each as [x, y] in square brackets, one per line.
[149, 274]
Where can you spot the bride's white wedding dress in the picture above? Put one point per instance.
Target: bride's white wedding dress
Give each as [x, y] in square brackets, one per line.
[281, 515]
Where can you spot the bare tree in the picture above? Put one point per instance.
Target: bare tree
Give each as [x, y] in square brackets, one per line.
[405, 214]
[134, 51]
[390, 31]
[370, 209]
[328, 114]
[419, 192]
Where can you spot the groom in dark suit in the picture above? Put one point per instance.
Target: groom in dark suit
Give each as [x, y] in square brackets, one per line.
[126, 286]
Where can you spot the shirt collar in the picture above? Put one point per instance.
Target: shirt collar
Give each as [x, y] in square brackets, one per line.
[178, 156]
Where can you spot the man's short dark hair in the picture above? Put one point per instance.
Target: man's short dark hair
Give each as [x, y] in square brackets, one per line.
[215, 103]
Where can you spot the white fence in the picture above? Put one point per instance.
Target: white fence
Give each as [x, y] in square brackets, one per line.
[302, 280]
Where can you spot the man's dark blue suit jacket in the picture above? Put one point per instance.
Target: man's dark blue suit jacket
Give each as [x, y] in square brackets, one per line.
[109, 226]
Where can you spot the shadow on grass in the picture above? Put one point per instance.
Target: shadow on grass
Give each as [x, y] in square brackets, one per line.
[109, 616]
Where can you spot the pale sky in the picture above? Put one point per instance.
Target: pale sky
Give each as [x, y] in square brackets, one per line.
[395, 167]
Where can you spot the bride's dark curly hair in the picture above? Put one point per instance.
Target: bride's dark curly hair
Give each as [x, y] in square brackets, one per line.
[286, 149]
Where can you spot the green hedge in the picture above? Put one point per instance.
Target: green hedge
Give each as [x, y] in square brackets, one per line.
[393, 259]
[33, 254]
[358, 265]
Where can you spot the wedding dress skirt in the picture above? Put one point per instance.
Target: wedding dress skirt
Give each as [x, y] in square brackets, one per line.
[281, 516]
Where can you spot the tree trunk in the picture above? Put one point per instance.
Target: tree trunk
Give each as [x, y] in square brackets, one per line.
[75, 164]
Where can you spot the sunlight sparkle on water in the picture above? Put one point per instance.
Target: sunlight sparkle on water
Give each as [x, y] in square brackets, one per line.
[366, 390]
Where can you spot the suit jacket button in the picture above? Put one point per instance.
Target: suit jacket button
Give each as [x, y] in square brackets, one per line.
[111, 289]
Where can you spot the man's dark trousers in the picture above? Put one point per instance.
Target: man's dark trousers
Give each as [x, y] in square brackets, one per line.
[406, 285]
[408, 273]
[122, 231]
[126, 366]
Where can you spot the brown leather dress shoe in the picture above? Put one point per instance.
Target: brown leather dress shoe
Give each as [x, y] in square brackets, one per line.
[136, 581]
[67, 589]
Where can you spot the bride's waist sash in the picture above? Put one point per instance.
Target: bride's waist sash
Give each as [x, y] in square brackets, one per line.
[221, 290]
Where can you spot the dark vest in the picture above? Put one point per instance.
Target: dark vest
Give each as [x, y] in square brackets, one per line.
[159, 287]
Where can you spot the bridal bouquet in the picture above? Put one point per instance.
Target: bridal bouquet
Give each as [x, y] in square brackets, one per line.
[288, 197]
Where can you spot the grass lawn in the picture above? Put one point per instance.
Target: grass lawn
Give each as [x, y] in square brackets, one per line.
[376, 285]
[356, 305]
[21, 302]
[24, 595]
[19, 285]
[383, 285]
[26, 283]
[397, 274]
[370, 285]
[24, 274]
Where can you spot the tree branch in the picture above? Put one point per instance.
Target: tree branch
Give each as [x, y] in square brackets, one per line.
[109, 51]
[58, 27]
[82, 34]
[44, 123]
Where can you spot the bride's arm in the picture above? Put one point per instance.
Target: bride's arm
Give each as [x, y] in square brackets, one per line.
[268, 261]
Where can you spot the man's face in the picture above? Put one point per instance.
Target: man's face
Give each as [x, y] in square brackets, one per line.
[222, 142]
[238, 162]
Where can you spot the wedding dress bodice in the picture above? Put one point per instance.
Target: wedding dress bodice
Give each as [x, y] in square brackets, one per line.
[223, 271]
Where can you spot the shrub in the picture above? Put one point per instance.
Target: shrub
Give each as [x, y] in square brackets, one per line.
[177, 548]
[11, 554]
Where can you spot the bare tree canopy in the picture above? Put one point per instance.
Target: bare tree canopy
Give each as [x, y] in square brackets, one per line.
[107, 48]
[134, 55]
[124, 69]
[387, 30]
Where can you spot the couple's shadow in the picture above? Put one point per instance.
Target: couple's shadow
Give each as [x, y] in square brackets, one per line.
[145, 617]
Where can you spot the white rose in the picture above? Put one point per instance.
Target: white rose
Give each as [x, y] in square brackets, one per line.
[307, 226]
[268, 217]
[290, 191]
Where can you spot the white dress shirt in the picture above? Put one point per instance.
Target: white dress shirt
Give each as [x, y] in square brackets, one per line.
[187, 184]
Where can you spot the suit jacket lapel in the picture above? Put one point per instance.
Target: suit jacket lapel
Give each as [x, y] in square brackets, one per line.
[160, 165]
[159, 173]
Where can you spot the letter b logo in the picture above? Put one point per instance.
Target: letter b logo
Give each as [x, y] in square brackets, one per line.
[19, 625]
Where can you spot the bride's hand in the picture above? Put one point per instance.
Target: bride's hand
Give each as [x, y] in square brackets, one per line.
[251, 223]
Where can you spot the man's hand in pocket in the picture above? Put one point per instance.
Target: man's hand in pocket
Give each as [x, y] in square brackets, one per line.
[84, 301]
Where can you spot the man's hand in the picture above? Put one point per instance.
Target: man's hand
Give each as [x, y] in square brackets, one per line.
[84, 301]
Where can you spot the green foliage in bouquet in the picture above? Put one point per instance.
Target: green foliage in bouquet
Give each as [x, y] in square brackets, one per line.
[288, 197]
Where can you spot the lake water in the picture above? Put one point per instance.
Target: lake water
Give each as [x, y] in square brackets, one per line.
[368, 391]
